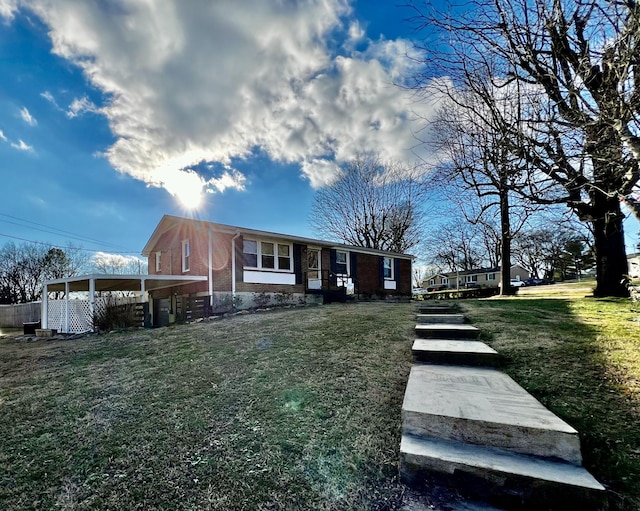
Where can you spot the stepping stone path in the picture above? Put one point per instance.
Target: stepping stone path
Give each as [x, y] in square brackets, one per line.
[468, 425]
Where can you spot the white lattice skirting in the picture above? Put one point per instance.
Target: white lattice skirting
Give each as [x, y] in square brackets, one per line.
[80, 319]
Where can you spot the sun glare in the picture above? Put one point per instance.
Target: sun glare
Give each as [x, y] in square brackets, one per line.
[190, 198]
[186, 186]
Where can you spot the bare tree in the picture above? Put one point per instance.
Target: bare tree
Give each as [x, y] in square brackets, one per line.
[574, 67]
[25, 267]
[476, 157]
[372, 204]
[454, 245]
[118, 264]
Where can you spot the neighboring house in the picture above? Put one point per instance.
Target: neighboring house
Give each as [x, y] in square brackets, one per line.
[436, 281]
[482, 277]
[633, 260]
[248, 267]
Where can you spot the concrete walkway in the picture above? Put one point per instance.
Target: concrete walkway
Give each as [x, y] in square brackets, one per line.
[470, 426]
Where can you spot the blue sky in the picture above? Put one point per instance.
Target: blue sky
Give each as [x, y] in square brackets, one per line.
[115, 113]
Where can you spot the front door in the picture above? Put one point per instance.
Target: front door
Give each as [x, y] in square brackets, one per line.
[314, 275]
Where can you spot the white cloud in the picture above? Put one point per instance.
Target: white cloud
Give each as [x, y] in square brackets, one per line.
[118, 264]
[22, 146]
[198, 81]
[81, 105]
[229, 179]
[8, 8]
[27, 117]
[320, 172]
[2, 137]
[49, 97]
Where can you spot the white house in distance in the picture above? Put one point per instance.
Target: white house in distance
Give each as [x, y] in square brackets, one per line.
[482, 277]
[633, 260]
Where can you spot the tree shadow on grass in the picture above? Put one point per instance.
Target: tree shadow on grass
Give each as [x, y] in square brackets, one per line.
[573, 356]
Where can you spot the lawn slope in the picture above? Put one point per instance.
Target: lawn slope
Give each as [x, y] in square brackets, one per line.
[293, 409]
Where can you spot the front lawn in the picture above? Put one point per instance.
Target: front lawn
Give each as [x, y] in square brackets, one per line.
[294, 409]
[291, 409]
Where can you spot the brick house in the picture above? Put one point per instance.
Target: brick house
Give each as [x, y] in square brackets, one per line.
[248, 268]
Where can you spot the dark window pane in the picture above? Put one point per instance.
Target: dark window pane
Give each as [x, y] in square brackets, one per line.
[268, 261]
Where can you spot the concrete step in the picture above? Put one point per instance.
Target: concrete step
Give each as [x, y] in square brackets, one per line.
[455, 352]
[446, 331]
[451, 319]
[503, 478]
[483, 406]
[437, 309]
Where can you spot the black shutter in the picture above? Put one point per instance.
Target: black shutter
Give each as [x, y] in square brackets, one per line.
[396, 271]
[353, 256]
[297, 262]
[381, 271]
[239, 259]
[333, 279]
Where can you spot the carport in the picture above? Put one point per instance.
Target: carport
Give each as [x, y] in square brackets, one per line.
[75, 315]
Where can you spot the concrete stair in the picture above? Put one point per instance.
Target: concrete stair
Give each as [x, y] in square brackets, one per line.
[454, 352]
[449, 318]
[501, 478]
[479, 430]
[437, 309]
[446, 331]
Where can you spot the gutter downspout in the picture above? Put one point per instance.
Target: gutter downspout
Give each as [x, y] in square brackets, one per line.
[210, 265]
[233, 265]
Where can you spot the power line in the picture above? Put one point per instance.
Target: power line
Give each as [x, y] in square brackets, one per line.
[61, 248]
[49, 230]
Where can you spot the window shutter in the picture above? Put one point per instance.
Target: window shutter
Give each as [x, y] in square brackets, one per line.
[239, 259]
[396, 270]
[353, 263]
[297, 262]
[333, 279]
[381, 271]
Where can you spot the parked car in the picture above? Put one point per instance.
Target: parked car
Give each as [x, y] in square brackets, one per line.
[534, 282]
[517, 283]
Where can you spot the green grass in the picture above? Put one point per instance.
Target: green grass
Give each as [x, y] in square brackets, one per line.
[294, 409]
[581, 358]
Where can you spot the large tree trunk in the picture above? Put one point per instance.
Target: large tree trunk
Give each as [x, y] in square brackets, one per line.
[606, 216]
[611, 257]
[505, 245]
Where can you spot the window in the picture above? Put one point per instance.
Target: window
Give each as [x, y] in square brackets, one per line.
[342, 268]
[250, 253]
[491, 276]
[471, 278]
[445, 280]
[432, 282]
[268, 259]
[186, 255]
[266, 255]
[388, 268]
[158, 267]
[284, 257]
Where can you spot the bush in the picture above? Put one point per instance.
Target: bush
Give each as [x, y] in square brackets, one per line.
[116, 316]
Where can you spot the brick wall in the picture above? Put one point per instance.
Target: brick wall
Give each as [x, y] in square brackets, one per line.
[404, 282]
[368, 274]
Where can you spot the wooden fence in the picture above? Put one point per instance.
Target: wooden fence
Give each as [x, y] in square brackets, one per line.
[13, 316]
